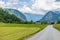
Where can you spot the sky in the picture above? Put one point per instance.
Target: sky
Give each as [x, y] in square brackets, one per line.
[31, 6]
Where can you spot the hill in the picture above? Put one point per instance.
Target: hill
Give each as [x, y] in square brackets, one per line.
[50, 17]
[25, 16]
[17, 13]
[5, 17]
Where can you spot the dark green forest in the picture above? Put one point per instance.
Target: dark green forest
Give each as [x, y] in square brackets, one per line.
[5, 17]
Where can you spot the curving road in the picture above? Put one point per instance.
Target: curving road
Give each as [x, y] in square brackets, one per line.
[49, 33]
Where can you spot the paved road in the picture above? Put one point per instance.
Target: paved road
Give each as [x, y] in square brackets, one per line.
[49, 33]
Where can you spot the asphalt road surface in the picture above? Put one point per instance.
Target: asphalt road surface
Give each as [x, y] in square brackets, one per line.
[49, 33]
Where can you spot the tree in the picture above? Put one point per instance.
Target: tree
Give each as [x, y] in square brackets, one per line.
[58, 22]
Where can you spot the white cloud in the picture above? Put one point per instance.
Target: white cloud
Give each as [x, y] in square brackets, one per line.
[9, 4]
[26, 9]
[38, 6]
[56, 5]
[43, 4]
[1, 3]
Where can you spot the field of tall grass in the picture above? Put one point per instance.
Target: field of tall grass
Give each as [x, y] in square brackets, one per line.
[18, 31]
[57, 26]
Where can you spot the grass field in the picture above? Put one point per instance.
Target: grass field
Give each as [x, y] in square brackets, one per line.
[18, 31]
[57, 26]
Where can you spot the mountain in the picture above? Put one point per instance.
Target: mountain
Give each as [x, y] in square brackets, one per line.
[50, 17]
[25, 16]
[5, 17]
[33, 17]
[57, 11]
[17, 13]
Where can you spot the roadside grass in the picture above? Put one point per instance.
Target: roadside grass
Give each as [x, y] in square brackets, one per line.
[18, 31]
[57, 26]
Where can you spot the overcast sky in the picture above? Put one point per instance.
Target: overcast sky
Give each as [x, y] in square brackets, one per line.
[31, 6]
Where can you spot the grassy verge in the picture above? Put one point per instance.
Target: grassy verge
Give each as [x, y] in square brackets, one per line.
[57, 26]
[18, 31]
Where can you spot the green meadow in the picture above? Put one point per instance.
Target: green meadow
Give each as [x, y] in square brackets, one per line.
[57, 26]
[18, 31]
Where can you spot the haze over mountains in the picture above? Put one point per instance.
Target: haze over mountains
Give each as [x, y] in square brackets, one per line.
[54, 15]
[25, 16]
[51, 16]
[33, 17]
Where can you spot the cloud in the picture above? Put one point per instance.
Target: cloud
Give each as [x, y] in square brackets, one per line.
[38, 6]
[46, 4]
[9, 3]
[25, 9]
[33, 6]
[43, 4]
[56, 5]
[1, 3]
